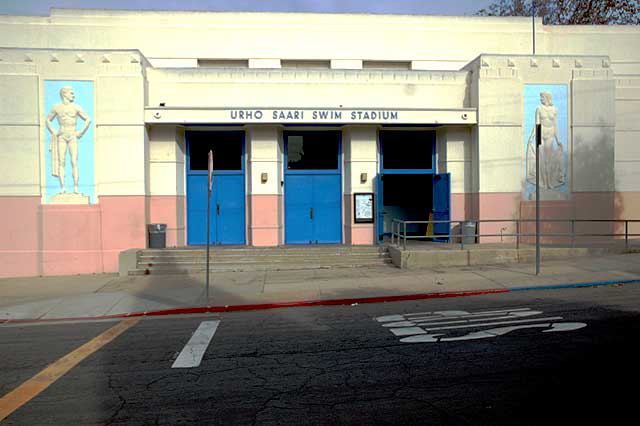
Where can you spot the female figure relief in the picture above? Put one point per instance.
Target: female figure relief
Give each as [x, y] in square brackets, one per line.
[552, 169]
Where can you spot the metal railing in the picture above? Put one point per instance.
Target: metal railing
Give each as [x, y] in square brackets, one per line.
[399, 230]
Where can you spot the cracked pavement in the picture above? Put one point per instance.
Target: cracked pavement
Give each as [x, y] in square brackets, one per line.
[337, 365]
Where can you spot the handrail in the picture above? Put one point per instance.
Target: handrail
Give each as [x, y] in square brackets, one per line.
[397, 225]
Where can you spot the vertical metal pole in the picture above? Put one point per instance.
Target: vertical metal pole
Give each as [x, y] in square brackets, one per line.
[209, 188]
[533, 23]
[208, 227]
[393, 229]
[404, 245]
[518, 234]
[538, 141]
[573, 233]
[626, 235]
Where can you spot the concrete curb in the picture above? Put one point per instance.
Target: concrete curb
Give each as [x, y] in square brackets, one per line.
[576, 285]
[329, 302]
[266, 306]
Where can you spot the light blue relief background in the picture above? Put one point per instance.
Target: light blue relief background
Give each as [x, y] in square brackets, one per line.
[84, 97]
[559, 93]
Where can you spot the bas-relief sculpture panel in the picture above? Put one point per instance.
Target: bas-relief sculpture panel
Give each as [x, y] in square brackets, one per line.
[546, 104]
[69, 147]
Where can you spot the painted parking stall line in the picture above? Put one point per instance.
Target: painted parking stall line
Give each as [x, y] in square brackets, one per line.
[192, 353]
[41, 381]
[421, 327]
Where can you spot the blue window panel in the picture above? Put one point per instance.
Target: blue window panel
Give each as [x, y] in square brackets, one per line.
[442, 202]
[327, 209]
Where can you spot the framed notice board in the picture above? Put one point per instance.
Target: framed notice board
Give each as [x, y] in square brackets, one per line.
[363, 207]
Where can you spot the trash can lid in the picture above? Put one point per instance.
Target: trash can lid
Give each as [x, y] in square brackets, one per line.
[157, 227]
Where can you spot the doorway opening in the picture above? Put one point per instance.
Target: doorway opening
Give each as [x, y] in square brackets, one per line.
[408, 187]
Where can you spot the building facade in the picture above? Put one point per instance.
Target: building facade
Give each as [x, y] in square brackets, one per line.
[323, 128]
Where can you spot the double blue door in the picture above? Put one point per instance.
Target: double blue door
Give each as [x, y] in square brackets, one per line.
[312, 209]
[227, 212]
[312, 188]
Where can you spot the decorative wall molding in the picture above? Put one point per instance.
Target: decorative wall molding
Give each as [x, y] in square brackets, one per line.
[499, 73]
[328, 75]
[592, 74]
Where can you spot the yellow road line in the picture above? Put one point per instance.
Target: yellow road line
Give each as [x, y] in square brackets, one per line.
[32, 387]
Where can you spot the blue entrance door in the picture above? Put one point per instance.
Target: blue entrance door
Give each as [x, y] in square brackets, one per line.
[442, 203]
[312, 188]
[227, 215]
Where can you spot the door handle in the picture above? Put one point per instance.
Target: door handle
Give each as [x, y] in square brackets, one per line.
[218, 209]
[311, 213]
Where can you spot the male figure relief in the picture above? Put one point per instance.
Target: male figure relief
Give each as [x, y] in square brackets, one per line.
[66, 138]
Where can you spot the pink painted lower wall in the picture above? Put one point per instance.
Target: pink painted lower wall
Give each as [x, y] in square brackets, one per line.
[627, 206]
[580, 205]
[123, 226]
[20, 234]
[170, 210]
[356, 233]
[502, 206]
[464, 206]
[40, 239]
[264, 229]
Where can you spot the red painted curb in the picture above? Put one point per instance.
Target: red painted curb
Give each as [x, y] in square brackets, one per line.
[265, 306]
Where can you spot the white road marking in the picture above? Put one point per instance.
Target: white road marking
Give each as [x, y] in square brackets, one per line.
[407, 331]
[439, 321]
[565, 326]
[194, 350]
[419, 327]
[453, 327]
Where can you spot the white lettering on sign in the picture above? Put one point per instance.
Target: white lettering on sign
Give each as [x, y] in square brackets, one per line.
[319, 115]
[450, 326]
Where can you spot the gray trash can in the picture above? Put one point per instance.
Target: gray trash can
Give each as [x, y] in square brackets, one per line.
[157, 235]
[468, 232]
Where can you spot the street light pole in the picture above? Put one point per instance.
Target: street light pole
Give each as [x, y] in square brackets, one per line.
[209, 188]
[538, 142]
[533, 24]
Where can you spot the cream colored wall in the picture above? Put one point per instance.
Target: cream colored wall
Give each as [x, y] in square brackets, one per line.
[441, 40]
[361, 156]
[627, 135]
[264, 157]
[118, 123]
[453, 149]
[305, 88]
[166, 160]
[272, 35]
[19, 130]
[500, 137]
[178, 39]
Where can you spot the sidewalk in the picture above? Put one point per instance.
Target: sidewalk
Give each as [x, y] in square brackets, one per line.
[108, 295]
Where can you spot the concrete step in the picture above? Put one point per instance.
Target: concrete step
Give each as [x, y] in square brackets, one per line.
[254, 266]
[262, 251]
[242, 258]
[269, 260]
[249, 257]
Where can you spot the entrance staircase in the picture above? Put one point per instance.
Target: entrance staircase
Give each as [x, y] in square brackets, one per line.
[190, 260]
